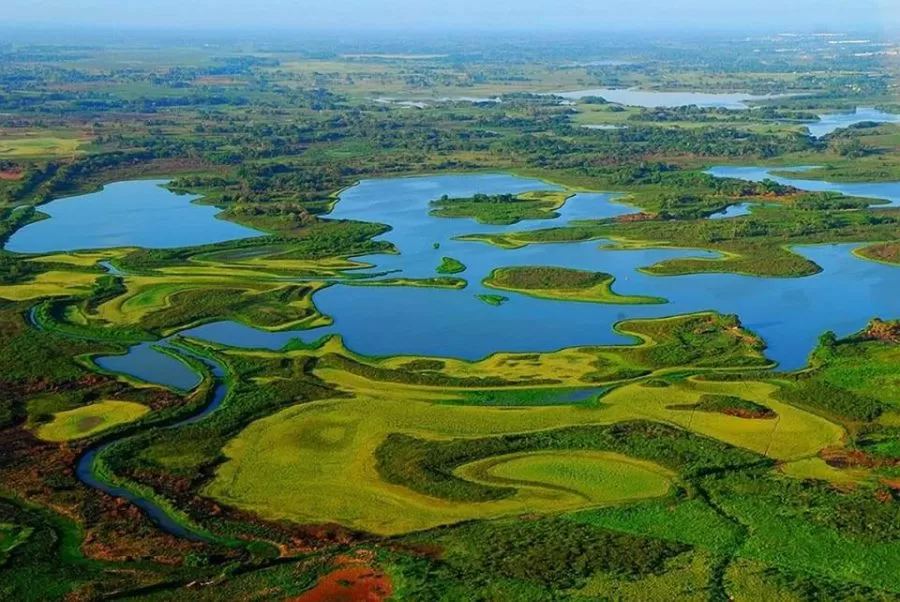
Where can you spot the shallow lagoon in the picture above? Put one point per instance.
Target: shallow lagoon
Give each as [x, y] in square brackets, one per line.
[789, 313]
[138, 213]
[147, 364]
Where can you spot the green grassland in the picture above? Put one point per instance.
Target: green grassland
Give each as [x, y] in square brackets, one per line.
[495, 300]
[38, 147]
[346, 485]
[759, 245]
[12, 536]
[436, 282]
[562, 284]
[503, 209]
[450, 266]
[596, 478]
[90, 420]
[677, 467]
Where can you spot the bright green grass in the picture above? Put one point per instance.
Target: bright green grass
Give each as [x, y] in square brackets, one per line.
[316, 462]
[89, 420]
[599, 477]
[495, 300]
[562, 284]
[450, 266]
[12, 536]
[779, 538]
[685, 579]
[876, 377]
[691, 521]
[27, 148]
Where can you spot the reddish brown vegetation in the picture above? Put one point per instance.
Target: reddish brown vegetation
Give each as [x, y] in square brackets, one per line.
[750, 415]
[43, 473]
[10, 175]
[889, 252]
[156, 398]
[879, 330]
[847, 458]
[635, 217]
[354, 581]
[885, 496]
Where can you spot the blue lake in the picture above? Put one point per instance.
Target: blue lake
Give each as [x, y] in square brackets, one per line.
[889, 192]
[734, 211]
[138, 213]
[149, 365]
[831, 122]
[789, 313]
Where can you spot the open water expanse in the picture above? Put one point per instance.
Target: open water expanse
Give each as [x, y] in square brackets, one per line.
[789, 313]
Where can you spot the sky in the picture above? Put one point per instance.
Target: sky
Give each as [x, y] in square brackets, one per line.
[774, 15]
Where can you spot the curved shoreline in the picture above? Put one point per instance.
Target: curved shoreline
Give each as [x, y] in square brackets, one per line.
[160, 512]
[90, 472]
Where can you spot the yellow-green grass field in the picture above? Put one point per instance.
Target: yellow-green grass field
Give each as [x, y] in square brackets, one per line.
[90, 420]
[817, 468]
[37, 147]
[592, 477]
[315, 463]
[80, 258]
[148, 294]
[55, 283]
[686, 579]
[167, 288]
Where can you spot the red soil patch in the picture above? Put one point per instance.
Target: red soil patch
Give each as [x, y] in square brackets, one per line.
[359, 583]
[10, 175]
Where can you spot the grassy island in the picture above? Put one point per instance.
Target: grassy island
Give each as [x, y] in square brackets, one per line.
[451, 266]
[495, 300]
[437, 282]
[563, 284]
[502, 209]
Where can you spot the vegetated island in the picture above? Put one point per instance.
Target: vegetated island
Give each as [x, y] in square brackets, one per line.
[436, 282]
[563, 284]
[502, 209]
[495, 300]
[450, 265]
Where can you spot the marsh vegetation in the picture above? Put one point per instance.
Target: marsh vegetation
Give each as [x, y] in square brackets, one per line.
[579, 438]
